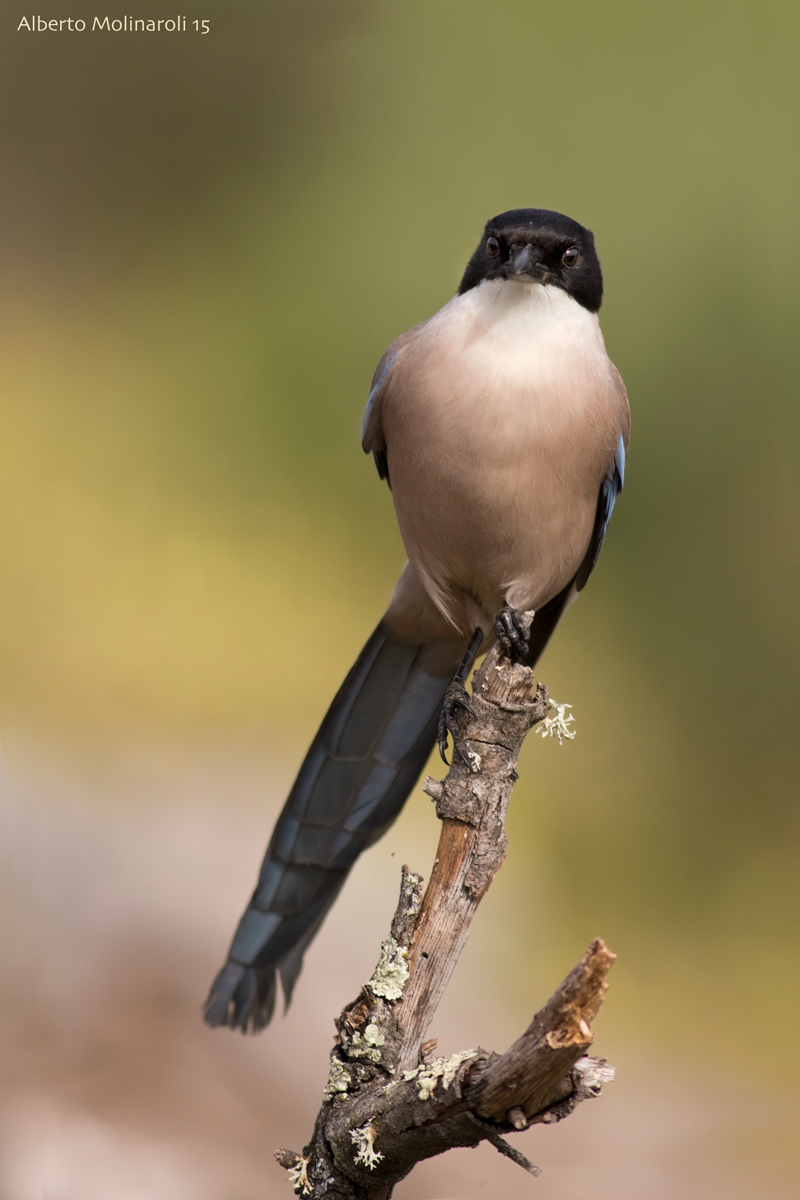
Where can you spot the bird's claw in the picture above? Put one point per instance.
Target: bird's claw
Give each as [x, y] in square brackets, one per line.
[455, 699]
[513, 633]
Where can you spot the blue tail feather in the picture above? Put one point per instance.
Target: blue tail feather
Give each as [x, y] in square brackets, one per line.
[361, 766]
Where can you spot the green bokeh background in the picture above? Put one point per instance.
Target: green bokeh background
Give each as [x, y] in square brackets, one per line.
[207, 244]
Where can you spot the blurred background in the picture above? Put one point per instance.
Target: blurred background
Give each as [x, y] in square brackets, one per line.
[207, 242]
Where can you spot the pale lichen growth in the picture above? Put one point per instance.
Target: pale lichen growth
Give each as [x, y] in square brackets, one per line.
[366, 1045]
[364, 1139]
[475, 761]
[390, 975]
[429, 1074]
[298, 1174]
[339, 1079]
[410, 884]
[558, 725]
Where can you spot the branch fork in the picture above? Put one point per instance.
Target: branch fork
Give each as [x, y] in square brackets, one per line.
[387, 1103]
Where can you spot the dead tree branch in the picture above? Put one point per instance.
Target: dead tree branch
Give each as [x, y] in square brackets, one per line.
[388, 1105]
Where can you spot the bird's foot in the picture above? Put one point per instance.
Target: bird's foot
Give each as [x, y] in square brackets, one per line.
[456, 702]
[512, 630]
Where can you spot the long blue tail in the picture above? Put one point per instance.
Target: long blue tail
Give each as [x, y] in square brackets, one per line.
[364, 761]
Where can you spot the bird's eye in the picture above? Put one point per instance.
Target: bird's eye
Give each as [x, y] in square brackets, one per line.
[571, 256]
[493, 246]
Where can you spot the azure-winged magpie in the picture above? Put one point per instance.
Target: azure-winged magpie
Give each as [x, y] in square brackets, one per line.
[501, 426]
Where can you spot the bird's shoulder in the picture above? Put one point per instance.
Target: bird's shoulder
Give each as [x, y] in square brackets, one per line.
[621, 396]
[372, 439]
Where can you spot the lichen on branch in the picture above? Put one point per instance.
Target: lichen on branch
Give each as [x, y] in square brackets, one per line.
[387, 1105]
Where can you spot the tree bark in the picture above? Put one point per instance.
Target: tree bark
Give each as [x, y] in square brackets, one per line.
[389, 1104]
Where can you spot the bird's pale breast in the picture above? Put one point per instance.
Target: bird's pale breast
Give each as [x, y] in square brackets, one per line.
[500, 426]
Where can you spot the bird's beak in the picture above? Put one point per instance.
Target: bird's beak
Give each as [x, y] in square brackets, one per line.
[523, 263]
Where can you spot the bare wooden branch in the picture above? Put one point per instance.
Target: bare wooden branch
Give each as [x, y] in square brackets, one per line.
[471, 803]
[527, 1076]
[388, 1105]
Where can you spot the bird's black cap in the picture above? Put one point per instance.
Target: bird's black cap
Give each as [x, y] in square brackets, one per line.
[539, 246]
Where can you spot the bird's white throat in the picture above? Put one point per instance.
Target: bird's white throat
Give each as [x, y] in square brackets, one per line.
[528, 309]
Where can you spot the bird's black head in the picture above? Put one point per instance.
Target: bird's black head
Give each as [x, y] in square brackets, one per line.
[539, 246]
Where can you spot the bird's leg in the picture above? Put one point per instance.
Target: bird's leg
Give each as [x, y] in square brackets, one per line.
[512, 630]
[456, 698]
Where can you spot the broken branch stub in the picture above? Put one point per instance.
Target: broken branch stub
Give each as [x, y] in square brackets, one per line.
[526, 1078]
[387, 1105]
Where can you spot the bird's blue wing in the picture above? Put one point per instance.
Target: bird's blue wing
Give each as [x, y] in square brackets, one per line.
[609, 490]
[373, 440]
[371, 433]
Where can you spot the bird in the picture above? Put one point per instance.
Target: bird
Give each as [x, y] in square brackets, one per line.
[501, 427]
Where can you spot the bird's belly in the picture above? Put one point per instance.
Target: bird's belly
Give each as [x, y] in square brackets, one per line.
[496, 485]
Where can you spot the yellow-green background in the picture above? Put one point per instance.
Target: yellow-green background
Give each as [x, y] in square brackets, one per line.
[207, 242]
